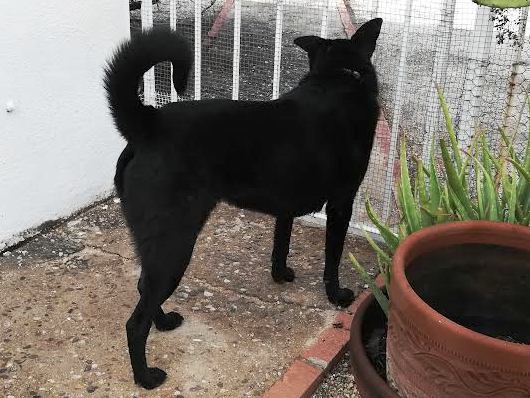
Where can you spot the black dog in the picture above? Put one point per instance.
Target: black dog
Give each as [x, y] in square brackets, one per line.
[285, 158]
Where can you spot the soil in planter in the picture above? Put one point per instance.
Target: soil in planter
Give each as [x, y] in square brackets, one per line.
[481, 287]
[374, 337]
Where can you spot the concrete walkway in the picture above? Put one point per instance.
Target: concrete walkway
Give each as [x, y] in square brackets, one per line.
[65, 297]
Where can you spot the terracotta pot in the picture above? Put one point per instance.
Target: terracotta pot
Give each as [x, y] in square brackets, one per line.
[477, 273]
[366, 314]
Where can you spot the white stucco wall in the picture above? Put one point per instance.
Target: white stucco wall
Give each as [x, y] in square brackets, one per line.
[58, 147]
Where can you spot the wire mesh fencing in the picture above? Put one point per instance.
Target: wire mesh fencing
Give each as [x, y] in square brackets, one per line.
[244, 50]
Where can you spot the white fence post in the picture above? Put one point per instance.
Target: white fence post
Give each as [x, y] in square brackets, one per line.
[149, 76]
[443, 46]
[480, 45]
[324, 34]
[325, 18]
[277, 50]
[375, 9]
[173, 25]
[198, 49]
[396, 112]
[237, 50]
[516, 91]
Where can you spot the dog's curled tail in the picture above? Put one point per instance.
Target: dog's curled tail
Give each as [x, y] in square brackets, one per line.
[123, 72]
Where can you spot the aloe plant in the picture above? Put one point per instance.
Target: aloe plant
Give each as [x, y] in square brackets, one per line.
[476, 184]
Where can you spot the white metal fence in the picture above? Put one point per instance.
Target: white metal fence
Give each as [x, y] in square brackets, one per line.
[244, 50]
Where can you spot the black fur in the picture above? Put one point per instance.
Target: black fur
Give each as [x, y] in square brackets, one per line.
[285, 158]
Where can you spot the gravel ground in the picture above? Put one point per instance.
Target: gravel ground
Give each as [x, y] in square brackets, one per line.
[339, 383]
[66, 294]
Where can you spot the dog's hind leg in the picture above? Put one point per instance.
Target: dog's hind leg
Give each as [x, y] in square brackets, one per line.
[338, 214]
[282, 236]
[163, 321]
[165, 251]
[137, 328]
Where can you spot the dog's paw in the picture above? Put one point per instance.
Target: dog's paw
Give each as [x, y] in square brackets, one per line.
[169, 321]
[285, 274]
[152, 378]
[341, 297]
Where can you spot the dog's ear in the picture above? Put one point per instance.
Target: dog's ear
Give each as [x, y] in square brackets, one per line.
[366, 36]
[308, 43]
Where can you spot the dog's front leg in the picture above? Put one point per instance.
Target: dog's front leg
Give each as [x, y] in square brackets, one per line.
[282, 237]
[338, 218]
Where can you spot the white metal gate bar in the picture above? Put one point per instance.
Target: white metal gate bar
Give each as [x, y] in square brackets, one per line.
[396, 113]
[474, 82]
[443, 46]
[237, 49]
[325, 18]
[277, 50]
[149, 76]
[375, 9]
[356, 228]
[198, 50]
[374, 14]
[173, 25]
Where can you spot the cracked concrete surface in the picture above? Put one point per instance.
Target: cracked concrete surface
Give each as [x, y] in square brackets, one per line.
[66, 294]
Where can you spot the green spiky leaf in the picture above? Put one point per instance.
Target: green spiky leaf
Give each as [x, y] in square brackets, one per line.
[450, 128]
[377, 292]
[458, 193]
[390, 238]
[407, 201]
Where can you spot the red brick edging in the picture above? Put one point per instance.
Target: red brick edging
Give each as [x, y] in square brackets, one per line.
[304, 375]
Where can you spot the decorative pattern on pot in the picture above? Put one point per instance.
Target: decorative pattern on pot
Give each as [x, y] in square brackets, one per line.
[423, 368]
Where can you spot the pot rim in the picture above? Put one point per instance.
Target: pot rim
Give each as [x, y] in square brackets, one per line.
[445, 235]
